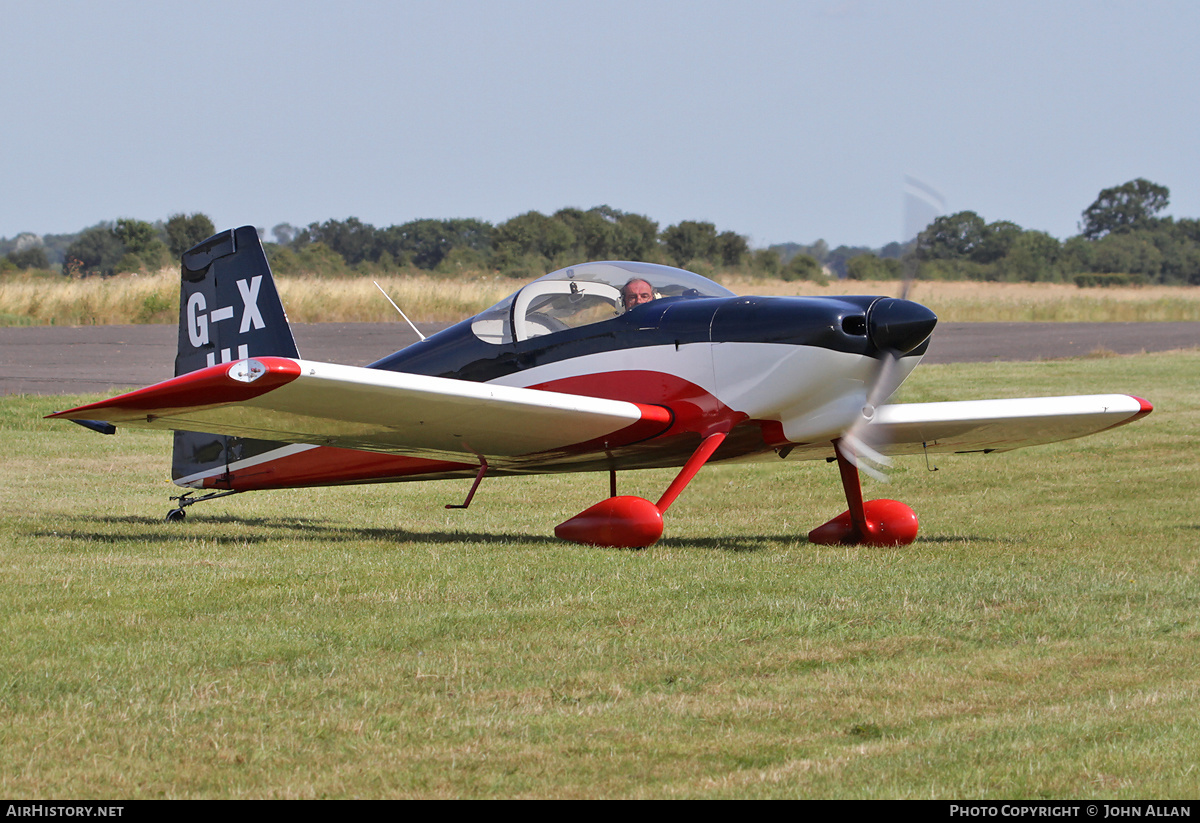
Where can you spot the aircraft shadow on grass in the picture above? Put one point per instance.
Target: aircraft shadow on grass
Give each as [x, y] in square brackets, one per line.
[156, 532]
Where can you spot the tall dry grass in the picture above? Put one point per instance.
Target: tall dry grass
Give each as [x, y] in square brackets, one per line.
[155, 299]
[423, 298]
[92, 301]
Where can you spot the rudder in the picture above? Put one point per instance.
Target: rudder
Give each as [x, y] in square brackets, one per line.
[229, 309]
[228, 306]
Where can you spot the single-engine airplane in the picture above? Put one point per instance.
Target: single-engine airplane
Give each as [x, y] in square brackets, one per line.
[603, 366]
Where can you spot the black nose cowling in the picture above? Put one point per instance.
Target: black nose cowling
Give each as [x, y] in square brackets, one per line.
[899, 325]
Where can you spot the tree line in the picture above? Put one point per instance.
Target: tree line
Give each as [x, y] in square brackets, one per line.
[525, 246]
[124, 245]
[1123, 239]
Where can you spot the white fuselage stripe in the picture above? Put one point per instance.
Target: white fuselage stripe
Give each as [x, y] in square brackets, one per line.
[197, 480]
[812, 391]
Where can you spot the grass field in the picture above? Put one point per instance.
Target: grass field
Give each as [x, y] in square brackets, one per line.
[1039, 640]
[155, 299]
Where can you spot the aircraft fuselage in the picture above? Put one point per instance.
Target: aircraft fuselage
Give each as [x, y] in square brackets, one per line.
[769, 371]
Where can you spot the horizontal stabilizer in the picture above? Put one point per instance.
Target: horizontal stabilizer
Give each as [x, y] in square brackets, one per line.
[97, 426]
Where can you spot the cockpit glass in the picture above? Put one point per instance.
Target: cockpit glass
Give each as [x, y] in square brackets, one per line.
[584, 294]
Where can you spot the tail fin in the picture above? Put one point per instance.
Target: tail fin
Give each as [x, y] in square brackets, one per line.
[228, 307]
[228, 310]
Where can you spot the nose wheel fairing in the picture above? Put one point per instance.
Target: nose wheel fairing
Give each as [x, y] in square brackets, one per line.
[871, 523]
[883, 523]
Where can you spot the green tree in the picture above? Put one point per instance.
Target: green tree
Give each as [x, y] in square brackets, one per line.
[137, 235]
[996, 241]
[421, 238]
[1130, 206]
[952, 236]
[284, 233]
[427, 242]
[1179, 242]
[314, 258]
[351, 238]
[595, 235]
[766, 262]
[469, 233]
[1033, 257]
[30, 257]
[530, 241]
[690, 240]
[786, 251]
[1127, 253]
[97, 250]
[636, 237]
[732, 248]
[838, 260]
[872, 267]
[185, 231]
[144, 248]
[803, 267]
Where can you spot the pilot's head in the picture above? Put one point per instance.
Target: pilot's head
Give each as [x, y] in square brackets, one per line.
[636, 292]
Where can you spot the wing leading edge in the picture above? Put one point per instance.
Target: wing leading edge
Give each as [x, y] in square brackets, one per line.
[301, 401]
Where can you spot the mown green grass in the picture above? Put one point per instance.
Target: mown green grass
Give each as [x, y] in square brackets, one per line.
[1039, 640]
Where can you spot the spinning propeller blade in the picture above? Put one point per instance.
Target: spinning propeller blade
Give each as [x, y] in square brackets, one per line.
[895, 327]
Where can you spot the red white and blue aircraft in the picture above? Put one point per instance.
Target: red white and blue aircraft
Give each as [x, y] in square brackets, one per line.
[600, 367]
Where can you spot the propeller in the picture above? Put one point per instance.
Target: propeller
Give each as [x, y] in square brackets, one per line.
[895, 326]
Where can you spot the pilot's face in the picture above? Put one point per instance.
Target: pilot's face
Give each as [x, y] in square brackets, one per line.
[636, 293]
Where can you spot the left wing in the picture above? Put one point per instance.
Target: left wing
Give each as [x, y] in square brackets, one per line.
[1000, 425]
[967, 426]
[324, 404]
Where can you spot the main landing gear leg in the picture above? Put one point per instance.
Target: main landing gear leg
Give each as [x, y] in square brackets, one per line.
[184, 500]
[629, 522]
[874, 523]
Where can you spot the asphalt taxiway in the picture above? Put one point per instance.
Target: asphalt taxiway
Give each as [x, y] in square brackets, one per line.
[104, 359]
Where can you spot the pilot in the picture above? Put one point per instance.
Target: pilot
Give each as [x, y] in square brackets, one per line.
[635, 293]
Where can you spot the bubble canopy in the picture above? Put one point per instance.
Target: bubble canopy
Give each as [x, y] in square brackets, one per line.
[584, 294]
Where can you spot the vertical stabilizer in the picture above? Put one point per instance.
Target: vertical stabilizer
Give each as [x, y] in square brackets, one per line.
[228, 310]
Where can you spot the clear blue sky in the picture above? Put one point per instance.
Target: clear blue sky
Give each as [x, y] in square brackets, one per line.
[778, 120]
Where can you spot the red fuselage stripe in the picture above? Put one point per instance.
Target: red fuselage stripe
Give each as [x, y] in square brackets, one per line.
[669, 406]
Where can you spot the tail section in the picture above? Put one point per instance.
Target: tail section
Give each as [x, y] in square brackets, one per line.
[229, 310]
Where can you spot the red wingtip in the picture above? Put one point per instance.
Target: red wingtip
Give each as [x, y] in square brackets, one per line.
[208, 386]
